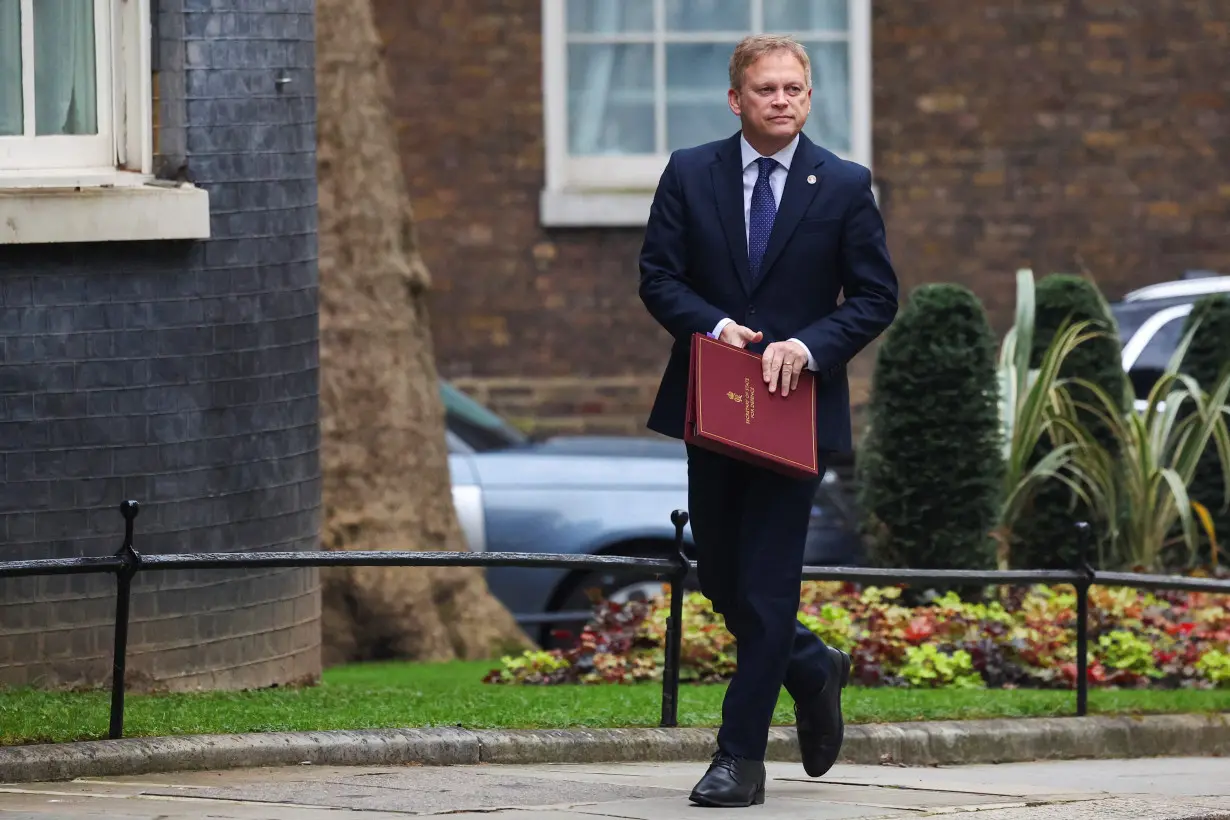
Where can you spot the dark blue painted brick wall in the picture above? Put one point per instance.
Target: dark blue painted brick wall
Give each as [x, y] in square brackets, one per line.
[179, 374]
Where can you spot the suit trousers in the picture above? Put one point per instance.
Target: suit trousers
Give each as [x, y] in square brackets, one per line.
[750, 527]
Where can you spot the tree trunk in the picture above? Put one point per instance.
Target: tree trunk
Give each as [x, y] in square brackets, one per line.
[384, 462]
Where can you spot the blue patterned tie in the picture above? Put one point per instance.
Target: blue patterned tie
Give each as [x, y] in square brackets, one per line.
[760, 219]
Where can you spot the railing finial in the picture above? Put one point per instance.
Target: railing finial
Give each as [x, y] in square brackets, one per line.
[674, 626]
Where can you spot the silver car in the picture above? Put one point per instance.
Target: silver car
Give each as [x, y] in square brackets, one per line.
[1150, 322]
[598, 495]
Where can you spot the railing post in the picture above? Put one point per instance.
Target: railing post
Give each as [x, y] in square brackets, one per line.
[1082, 621]
[119, 661]
[674, 626]
[1082, 649]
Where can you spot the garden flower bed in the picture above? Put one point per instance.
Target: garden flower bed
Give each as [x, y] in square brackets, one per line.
[1023, 639]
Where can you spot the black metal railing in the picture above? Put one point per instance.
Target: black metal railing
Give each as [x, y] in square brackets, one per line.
[127, 562]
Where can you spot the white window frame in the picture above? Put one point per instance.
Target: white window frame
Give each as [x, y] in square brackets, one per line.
[112, 195]
[28, 152]
[122, 146]
[617, 191]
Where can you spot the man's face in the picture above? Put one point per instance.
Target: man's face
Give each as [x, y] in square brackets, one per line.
[774, 100]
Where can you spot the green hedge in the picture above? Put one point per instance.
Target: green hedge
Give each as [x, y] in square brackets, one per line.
[930, 464]
[1206, 361]
[1044, 537]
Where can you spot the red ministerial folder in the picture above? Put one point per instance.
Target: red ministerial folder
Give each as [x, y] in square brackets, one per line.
[731, 411]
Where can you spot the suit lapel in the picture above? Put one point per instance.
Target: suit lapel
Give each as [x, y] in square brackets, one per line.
[796, 197]
[727, 175]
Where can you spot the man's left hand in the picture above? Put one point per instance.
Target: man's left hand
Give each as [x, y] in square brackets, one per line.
[787, 359]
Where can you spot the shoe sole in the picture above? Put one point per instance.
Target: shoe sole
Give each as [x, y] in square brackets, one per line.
[757, 800]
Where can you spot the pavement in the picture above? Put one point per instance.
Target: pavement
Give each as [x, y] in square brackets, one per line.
[1193, 788]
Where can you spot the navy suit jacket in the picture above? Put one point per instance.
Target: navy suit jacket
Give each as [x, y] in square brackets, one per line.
[827, 239]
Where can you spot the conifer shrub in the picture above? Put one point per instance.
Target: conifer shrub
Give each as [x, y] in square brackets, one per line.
[930, 465]
[1206, 361]
[1046, 535]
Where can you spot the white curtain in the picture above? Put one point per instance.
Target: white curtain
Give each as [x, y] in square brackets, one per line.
[708, 15]
[796, 16]
[829, 122]
[697, 73]
[608, 16]
[697, 77]
[10, 68]
[610, 86]
[65, 84]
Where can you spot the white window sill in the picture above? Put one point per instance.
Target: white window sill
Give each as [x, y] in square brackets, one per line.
[103, 214]
[608, 209]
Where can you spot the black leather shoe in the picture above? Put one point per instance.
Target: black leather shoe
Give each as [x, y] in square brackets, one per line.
[818, 720]
[731, 782]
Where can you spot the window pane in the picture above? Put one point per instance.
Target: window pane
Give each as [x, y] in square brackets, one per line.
[610, 99]
[829, 121]
[708, 15]
[1156, 354]
[697, 78]
[10, 68]
[65, 88]
[806, 15]
[609, 16]
[1129, 318]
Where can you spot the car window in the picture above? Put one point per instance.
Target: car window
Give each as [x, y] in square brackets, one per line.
[455, 443]
[1155, 356]
[829, 507]
[1162, 345]
[474, 424]
[1128, 319]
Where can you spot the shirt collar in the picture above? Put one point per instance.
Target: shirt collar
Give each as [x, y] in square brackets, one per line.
[783, 156]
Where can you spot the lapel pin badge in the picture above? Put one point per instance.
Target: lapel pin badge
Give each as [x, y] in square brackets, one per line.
[811, 180]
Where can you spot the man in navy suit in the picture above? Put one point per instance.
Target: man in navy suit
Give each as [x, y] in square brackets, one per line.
[751, 239]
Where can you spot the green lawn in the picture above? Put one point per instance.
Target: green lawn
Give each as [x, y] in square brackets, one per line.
[416, 695]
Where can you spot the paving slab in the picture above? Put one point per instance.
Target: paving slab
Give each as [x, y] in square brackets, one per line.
[1134, 808]
[1196, 788]
[429, 791]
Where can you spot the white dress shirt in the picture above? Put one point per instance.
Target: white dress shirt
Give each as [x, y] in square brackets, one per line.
[777, 182]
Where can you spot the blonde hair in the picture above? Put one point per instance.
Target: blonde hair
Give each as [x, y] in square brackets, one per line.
[755, 46]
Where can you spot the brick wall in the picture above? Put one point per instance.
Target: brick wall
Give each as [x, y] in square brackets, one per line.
[1075, 136]
[567, 405]
[1056, 135]
[179, 374]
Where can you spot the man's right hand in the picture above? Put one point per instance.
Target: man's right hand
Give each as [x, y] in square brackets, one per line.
[740, 336]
